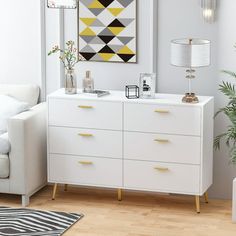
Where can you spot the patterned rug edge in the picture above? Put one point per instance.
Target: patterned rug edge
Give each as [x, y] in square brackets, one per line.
[78, 216]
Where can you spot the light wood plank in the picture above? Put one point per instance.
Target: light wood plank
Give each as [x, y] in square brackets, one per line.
[139, 214]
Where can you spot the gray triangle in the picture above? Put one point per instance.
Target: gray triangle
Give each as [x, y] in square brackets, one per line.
[125, 40]
[106, 32]
[87, 49]
[96, 11]
[116, 48]
[86, 2]
[96, 58]
[87, 39]
[125, 3]
[96, 40]
[126, 21]
[97, 23]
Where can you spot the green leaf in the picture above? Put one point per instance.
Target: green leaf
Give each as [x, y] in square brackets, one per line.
[228, 89]
[217, 140]
[230, 73]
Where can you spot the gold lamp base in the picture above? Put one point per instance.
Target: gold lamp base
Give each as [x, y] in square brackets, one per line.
[190, 98]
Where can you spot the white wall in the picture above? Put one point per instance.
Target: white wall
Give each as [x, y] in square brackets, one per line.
[106, 75]
[224, 172]
[21, 42]
[182, 19]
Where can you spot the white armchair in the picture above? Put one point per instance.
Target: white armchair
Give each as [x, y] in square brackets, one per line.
[27, 136]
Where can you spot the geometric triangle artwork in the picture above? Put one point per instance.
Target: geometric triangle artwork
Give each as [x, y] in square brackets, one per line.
[115, 23]
[107, 30]
[115, 11]
[125, 40]
[96, 11]
[125, 21]
[125, 3]
[106, 49]
[86, 39]
[95, 4]
[87, 49]
[106, 39]
[88, 21]
[106, 3]
[96, 40]
[116, 30]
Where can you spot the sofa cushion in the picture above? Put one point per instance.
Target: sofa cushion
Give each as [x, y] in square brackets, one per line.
[4, 166]
[24, 93]
[9, 107]
[4, 144]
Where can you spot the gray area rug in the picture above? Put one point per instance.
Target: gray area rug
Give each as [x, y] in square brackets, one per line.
[28, 222]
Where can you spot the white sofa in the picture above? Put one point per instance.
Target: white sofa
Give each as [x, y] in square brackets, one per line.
[27, 136]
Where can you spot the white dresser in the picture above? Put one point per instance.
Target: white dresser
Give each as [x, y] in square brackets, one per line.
[160, 145]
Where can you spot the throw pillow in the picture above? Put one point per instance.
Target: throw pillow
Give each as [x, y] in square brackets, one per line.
[9, 107]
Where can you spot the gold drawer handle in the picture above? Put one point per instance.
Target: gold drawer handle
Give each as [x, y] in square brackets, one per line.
[162, 111]
[161, 168]
[85, 135]
[161, 140]
[85, 107]
[85, 162]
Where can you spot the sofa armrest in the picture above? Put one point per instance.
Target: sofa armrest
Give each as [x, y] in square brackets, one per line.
[27, 135]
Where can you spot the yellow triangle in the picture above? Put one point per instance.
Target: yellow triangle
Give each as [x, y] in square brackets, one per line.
[96, 4]
[115, 11]
[106, 56]
[88, 21]
[125, 50]
[116, 30]
[87, 32]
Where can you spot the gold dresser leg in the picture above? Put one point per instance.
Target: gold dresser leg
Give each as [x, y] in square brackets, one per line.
[54, 191]
[206, 197]
[66, 187]
[197, 200]
[119, 194]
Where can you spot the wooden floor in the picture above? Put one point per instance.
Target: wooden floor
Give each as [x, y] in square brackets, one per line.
[138, 214]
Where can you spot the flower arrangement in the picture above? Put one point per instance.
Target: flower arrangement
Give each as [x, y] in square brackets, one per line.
[68, 56]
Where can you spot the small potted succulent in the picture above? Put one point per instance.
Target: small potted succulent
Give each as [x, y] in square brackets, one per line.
[229, 90]
[68, 57]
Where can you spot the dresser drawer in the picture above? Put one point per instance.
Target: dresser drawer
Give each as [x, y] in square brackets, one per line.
[85, 114]
[163, 177]
[161, 147]
[184, 120]
[84, 142]
[85, 170]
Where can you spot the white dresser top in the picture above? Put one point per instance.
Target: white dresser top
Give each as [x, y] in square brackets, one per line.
[119, 96]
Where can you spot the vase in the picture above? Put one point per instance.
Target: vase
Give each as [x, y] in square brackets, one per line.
[70, 82]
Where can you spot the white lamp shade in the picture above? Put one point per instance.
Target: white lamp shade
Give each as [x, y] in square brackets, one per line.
[190, 53]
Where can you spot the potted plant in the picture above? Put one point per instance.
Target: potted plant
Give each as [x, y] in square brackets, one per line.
[68, 57]
[228, 89]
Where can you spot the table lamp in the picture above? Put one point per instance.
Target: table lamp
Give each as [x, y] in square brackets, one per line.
[190, 53]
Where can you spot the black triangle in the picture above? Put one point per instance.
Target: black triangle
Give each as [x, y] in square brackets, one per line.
[106, 3]
[87, 55]
[126, 57]
[106, 39]
[106, 49]
[116, 23]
